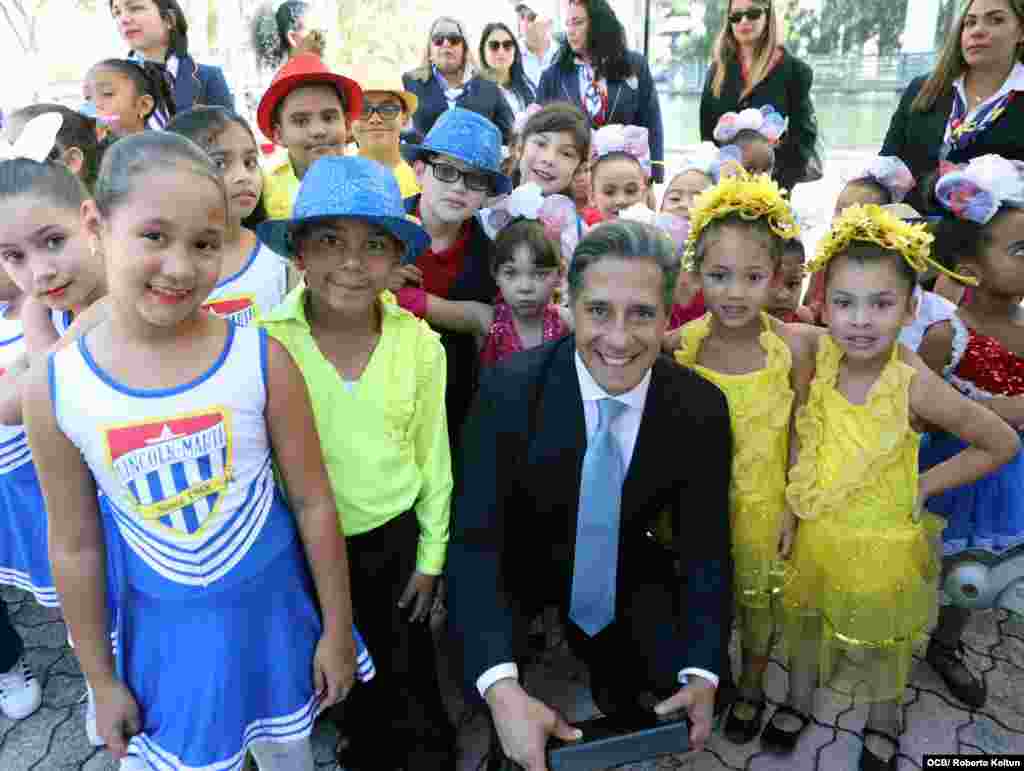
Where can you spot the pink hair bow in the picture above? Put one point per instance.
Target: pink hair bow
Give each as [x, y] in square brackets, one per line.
[889, 172]
[977, 191]
[631, 140]
[557, 213]
[767, 122]
[675, 227]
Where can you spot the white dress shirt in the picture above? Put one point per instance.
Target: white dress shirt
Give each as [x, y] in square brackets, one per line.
[534, 65]
[625, 430]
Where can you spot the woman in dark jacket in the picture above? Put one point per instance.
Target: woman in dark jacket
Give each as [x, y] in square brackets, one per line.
[619, 88]
[750, 68]
[157, 31]
[978, 74]
[447, 79]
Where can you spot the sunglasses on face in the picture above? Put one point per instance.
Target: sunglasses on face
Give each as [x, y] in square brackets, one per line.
[452, 40]
[476, 181]
[752, 14]
[385, 111]
[508, 45]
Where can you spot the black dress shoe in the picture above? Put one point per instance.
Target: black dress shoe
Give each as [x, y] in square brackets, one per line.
[778, 740]
[869, 761]
[739, 730]
[950, 665]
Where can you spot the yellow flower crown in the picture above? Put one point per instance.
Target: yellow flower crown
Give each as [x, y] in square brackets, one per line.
[873, 224]
[753, 197]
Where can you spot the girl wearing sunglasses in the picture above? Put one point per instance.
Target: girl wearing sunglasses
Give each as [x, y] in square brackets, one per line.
[750, 68]
[503, 62]
[450, 77]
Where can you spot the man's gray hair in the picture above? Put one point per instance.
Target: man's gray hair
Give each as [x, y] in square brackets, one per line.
[626, 240]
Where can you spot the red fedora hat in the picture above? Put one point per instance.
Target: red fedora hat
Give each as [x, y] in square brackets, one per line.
[305, 70]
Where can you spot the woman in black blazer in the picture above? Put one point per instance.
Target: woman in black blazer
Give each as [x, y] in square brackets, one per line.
[157, 31]
[621, 89]
[980, 78]
[750, 68]
[445, 80]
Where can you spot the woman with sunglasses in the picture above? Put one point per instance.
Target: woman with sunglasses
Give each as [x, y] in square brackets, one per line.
[503, 62]
[750, 68]
[595, 71]
[449, 78]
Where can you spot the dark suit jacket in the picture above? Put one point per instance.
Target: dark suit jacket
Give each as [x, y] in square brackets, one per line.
[481, 96]
[627, 105]
[916, 138]
[475, 283]
[788, 89]
[513, 537]
[200, 84]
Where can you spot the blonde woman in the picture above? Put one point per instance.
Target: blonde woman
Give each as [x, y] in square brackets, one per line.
[750, 68]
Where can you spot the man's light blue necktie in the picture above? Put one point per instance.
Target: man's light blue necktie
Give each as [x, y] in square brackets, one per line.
[595, 566]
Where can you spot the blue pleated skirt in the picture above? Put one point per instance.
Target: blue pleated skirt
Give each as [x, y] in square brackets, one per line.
[988, 514]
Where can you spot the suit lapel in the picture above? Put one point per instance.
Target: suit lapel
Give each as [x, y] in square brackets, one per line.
[185, 84]
[571, 86]
[560, 429]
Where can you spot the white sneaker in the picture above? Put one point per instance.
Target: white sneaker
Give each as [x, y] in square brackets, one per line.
[20, 694]
[90, 718]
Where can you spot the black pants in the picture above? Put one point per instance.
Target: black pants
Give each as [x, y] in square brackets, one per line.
[11, 646]
[398, 719]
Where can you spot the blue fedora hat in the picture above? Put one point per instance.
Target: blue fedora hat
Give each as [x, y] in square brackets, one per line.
[347, 187]
[468, 137]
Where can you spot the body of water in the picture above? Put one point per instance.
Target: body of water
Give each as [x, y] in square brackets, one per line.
[846, 120]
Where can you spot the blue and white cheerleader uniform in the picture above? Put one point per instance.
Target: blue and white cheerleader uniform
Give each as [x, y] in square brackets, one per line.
[216, 610]
[254, 290]
[24, 556]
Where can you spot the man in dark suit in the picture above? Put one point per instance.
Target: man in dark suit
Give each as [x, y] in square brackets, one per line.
[583, 426]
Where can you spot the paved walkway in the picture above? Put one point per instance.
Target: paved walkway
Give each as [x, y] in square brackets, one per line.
[53, 739]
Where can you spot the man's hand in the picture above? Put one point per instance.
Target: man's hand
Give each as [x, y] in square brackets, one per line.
[525, 724]
[698, 699]
[419, 592]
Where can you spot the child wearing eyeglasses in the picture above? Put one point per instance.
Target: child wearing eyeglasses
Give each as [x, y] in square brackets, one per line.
[458, 168]
[387, 107]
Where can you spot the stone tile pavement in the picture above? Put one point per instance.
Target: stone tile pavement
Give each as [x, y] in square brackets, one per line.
[53, 739]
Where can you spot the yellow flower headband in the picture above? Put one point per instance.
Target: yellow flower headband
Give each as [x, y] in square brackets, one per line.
[873, 224]
[752, 197]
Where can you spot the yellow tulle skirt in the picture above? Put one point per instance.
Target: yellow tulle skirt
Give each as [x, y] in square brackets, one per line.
[862, 599]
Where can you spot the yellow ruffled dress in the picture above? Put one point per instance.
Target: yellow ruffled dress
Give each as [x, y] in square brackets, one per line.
[759, 407]
[864, 569]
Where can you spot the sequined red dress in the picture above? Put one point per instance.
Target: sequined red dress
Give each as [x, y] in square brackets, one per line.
[988, 514]
[503, 339]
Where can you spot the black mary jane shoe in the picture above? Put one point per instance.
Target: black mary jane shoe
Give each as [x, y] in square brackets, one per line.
[742, 731]
[950, 665]
[869, 761]
[776, 739]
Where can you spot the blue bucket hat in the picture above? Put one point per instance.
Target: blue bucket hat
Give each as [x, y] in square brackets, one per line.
[348, 187]
[466, 136]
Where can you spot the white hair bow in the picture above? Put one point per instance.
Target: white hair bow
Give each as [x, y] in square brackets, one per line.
[36, 140]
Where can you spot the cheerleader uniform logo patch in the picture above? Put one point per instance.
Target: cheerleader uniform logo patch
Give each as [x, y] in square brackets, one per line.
[240, 309]
[176, 468]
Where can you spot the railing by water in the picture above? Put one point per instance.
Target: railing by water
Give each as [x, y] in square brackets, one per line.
[832, 74]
